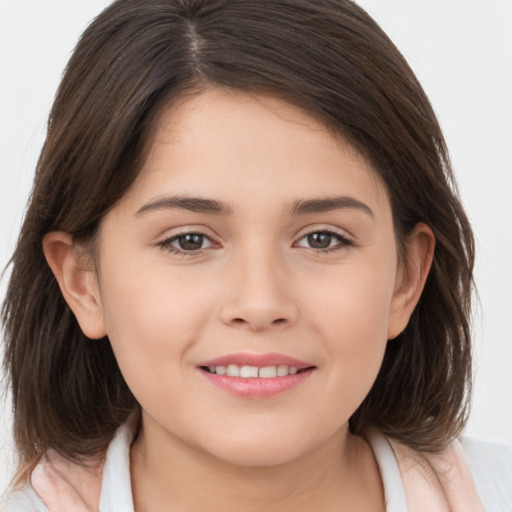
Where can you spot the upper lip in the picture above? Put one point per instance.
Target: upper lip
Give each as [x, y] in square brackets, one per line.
[260, 360]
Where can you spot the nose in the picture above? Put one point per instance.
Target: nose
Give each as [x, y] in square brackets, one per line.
[259, 295]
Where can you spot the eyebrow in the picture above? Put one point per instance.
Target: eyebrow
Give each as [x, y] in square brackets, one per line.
[193, 204]
[327, 204]
[213, 207]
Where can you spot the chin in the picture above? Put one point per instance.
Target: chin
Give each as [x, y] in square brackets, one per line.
[258, 458]
[260, 451]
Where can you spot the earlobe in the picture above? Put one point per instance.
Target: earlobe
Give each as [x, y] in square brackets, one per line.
[411, 277]
[77, 282]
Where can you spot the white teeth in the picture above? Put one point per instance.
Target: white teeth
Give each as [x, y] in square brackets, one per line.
[282, 371]
[233, 370]
[247, 371]
[267, 372]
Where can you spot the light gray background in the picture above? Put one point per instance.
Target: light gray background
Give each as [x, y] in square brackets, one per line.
[461, 51]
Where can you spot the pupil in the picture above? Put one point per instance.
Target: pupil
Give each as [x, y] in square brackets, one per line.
[319, 240]
[191, 242]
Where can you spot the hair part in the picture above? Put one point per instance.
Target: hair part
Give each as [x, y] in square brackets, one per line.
[327, 57]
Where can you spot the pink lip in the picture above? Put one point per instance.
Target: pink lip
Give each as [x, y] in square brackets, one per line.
[257, 387]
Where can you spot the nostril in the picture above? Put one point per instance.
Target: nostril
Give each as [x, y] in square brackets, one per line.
[241, 321]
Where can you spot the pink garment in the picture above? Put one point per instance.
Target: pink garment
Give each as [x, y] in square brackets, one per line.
[66, 487]
[440, 483]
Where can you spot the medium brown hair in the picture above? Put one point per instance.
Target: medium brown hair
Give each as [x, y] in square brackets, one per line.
[325, 56]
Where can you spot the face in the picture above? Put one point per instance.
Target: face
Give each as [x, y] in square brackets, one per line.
[248, 281]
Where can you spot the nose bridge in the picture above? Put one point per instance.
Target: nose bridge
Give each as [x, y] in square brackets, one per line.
[260, 294]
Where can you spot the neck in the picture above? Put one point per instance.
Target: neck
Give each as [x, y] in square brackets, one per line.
[341, 474]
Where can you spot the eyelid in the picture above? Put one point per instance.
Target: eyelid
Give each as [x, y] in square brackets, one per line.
[186, 229]
[323, 228]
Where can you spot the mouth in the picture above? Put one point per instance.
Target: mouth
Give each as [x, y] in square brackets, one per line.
[256, 376]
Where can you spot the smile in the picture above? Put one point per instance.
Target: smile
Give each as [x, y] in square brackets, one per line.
[256, 376]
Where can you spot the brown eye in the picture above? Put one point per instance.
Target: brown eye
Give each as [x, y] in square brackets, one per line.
[324, 241]
[191, 242]
[187, 243]
[319, 240]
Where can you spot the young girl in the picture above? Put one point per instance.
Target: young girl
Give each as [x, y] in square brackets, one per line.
[244, 278]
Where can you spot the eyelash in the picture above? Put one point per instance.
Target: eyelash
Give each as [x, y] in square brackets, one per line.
[343, 242]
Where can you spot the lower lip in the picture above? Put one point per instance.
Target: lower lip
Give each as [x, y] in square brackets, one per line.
[256, 387]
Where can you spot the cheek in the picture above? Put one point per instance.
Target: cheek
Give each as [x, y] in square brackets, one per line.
[352, 320]
[352, 301]
[152, 316]
[152, 321]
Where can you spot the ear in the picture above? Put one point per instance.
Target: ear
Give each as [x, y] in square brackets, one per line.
[411, 276]
[77, 280]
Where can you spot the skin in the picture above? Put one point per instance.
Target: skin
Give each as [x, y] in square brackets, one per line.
[256, 285]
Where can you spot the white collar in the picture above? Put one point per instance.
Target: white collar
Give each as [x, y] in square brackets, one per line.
[394, 492]
[116, 487]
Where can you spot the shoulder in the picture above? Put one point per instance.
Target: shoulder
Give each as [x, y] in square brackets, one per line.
[22, 498]
[59, 485]
[491, 467]
[56, 485]
[469, 475]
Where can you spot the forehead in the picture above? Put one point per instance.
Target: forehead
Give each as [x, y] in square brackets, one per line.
[236, 146]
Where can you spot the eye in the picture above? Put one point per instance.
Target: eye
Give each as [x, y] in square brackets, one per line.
[324, 241]
[187, 243]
